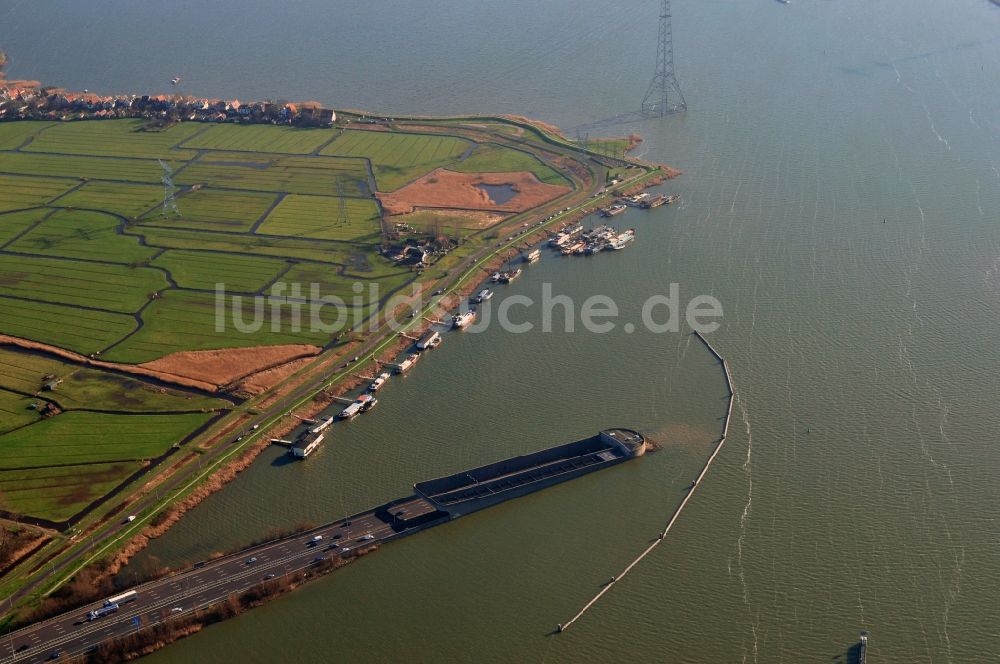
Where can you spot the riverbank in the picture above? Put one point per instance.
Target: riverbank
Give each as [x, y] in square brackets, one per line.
[305, 386]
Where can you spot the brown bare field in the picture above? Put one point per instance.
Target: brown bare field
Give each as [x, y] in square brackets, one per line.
[446, 189]
[262, 381]
[225, 366]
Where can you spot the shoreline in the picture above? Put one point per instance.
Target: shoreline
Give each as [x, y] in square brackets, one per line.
[315, 386]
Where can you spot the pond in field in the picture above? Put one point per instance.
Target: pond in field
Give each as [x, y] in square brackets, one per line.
[498, 193]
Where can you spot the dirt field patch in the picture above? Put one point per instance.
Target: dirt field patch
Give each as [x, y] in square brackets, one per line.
[446, 189]
[263, 381]
[222, 367]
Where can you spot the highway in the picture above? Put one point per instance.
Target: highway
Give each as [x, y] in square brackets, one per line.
[205, 584]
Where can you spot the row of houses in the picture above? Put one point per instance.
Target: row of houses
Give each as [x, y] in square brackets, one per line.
[27, 100]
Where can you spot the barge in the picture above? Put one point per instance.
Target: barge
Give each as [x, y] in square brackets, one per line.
[305, 445]
[475, 489]
[654, 202]
[430, 340]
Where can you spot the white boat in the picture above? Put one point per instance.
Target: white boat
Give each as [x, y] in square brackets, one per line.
[483, 295]
[623, 240]
[495, 277]
[322, 425]
[614, 210]
[566, 235]
[510, 275]
[462, 320]
[532, 255]
[379, 382]
[406, 364]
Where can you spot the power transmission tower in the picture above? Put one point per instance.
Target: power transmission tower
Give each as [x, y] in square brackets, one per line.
[664, 94]
[169, 203]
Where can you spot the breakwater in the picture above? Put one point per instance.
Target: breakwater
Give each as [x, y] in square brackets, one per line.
[677, 512]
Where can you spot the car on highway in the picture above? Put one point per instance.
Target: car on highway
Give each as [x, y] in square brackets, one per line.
[345, 550]
[368, 537]
[319, 559]
[317, 539]
[129, 519]
[269, 577]
[251, 560]
[177, 609]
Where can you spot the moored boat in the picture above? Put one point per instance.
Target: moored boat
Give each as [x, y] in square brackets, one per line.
[379, 382]
[654, 202]
[429, 340]
[622, 240]
[323, 424]
[510, 275]
[462, 320]
[613, 210]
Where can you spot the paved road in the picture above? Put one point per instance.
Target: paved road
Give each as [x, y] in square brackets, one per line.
[207, 583]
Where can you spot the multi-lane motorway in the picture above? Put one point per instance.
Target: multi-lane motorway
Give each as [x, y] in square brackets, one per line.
[203, 585]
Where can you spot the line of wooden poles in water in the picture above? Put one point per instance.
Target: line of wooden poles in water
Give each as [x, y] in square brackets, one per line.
[725, 430]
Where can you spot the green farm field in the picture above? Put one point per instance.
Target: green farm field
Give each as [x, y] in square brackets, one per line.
[81, 388]
[183, 320]
[325, 218]
[259, 138]
[25, 192]
[127, 200]
[83, 235]
[13, 224]
[203, 270]
[86, 437]
[59, 492]
[102, 286]
[81, 330]
[81, 168]
[325, 176]
[114, 138]
[398, 158]
[213, 210]
[14, 134]
[16, 411]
